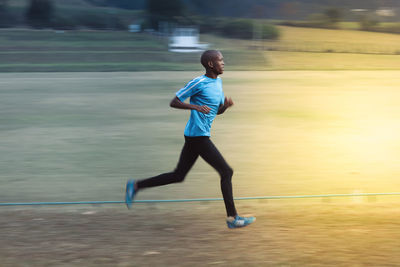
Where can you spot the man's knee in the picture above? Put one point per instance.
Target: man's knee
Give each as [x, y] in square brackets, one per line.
[230, 172]
[179, 177]
[227, 173]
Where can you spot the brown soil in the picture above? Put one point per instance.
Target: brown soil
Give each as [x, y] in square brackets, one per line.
[285, 234]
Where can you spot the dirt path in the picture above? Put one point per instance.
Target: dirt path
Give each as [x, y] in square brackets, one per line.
[285, 234]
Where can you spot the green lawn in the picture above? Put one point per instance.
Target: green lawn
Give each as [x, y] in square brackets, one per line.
[297, 49]
[48, 51]
[79, 136]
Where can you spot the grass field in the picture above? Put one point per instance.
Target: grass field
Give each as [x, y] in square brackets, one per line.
[341, 41]
[298, 49]
[79, 136]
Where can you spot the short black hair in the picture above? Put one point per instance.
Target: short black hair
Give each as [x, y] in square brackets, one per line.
[208, 56]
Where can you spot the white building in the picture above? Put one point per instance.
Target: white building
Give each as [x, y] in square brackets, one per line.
[186, 40]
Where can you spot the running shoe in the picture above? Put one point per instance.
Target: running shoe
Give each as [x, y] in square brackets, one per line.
[130, 193]
[239, 221]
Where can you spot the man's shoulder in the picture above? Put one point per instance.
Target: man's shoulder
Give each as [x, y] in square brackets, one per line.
[196, 82]
[198, 79]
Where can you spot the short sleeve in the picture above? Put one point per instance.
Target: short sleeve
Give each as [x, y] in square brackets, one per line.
[222, 95]
[190, 89]
[222, 98]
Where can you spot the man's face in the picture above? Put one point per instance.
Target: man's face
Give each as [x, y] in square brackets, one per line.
[218, 63]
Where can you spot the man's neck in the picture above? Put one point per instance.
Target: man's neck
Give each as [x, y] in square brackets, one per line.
[211, 74]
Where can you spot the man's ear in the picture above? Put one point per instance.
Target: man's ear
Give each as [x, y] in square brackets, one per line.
[210, 64]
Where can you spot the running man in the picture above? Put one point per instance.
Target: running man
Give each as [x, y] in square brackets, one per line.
[206, 101]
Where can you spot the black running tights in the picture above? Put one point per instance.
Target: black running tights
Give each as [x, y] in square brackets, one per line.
[192, 149]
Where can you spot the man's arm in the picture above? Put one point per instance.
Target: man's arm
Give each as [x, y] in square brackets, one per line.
[176, 103]
[227, 104]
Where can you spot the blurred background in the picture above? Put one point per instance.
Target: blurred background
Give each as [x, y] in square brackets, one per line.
[85, 87]
[140, 35]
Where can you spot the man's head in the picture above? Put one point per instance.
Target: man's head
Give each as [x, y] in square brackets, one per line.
[213, 61]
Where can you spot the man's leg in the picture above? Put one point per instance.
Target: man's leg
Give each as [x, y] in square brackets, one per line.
[211, 155]
[187, 158]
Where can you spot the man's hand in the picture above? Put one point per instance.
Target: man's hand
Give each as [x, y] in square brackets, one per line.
[228, 102]
[203, 109]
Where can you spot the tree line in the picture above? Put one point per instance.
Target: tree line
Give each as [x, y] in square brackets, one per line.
[41, 14]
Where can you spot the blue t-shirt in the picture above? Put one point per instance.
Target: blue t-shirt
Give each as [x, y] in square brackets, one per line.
[202, 91]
